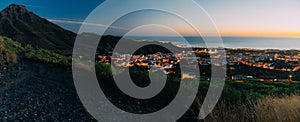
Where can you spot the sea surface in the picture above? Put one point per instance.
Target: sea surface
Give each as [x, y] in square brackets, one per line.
[282, 43]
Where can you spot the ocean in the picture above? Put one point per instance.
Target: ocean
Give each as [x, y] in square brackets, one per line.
[282, 43]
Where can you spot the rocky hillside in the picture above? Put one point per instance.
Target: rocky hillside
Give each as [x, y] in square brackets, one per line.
[18, 23]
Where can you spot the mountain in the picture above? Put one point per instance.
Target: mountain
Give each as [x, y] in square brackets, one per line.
[24, 26]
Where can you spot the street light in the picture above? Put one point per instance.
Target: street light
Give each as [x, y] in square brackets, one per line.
[290, 76]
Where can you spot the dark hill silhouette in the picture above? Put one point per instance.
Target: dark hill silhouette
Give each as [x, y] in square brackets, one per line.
[108, 43]
[24, 26]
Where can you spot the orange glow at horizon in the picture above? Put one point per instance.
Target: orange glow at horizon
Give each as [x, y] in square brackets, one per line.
[237, 32]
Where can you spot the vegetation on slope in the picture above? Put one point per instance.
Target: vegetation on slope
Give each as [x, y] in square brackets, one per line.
[12, 49]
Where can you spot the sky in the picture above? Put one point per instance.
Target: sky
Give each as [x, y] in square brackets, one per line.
[231, 17]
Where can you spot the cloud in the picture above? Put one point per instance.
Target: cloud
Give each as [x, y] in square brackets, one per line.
[85, 23]
[35, 6]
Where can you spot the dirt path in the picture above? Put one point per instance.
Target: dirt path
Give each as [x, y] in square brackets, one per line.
[40, 92]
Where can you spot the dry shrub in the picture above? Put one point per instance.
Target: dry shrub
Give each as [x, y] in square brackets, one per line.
[231, 113]
[285, 108]
[1, 49]
[8, 56]
[13, 57]
[270, 109]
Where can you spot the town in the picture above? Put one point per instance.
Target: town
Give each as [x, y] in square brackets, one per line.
[242, 64]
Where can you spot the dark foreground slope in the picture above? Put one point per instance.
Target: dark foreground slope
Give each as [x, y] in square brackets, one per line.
[36, 91]
[34, 86]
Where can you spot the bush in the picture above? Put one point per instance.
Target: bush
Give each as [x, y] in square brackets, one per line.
[12, 49]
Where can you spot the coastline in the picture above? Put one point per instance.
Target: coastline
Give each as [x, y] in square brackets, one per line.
[236, 42]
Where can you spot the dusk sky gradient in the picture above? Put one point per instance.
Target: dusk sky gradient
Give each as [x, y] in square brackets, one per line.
[232, 17]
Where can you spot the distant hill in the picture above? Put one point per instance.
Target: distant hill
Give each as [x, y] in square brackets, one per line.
[108, 43]
[18, 23]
